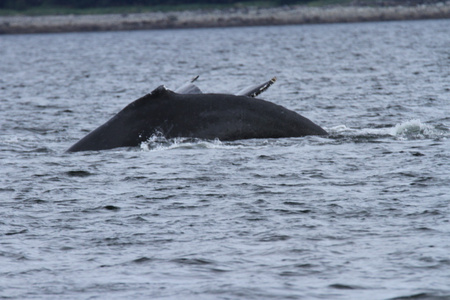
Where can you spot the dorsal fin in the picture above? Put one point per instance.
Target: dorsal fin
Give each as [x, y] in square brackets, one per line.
[189, 87]
[159, 90]
[255, 90]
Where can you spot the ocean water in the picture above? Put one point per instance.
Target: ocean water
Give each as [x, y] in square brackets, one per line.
[360, 214]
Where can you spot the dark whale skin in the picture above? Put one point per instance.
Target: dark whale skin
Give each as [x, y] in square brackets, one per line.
[204, 116]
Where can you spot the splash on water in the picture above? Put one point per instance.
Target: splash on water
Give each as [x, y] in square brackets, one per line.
[408, 130]
[158, 142]
[414, 129]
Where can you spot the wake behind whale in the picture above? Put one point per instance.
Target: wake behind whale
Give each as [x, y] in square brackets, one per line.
[189, 113]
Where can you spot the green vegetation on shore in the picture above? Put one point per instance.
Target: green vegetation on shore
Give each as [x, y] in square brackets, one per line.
[64, 7]
[85, 7]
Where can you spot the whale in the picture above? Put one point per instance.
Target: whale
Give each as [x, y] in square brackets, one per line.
[189, 113]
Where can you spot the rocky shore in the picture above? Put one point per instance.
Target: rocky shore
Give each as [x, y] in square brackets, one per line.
[246, 16]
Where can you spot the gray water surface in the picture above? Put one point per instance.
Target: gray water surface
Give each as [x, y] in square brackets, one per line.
[360, 214]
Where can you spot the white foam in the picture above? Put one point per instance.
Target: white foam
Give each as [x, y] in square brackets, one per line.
[340, 129]
[413, 129]
[344, 130]
[158, 143]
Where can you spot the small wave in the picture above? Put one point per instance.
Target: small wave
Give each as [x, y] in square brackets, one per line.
[422, 296]
[78, 173]
[409, 130]
[341, 286]
[344, 130]
[192, 261]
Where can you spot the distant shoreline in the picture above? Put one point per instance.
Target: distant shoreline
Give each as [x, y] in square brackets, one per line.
[232, 17]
